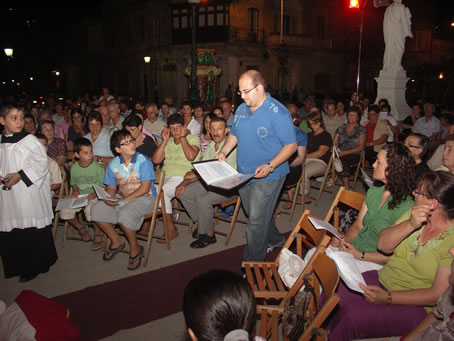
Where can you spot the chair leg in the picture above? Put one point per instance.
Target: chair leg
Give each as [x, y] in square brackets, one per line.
[232, 222]
[54, 228]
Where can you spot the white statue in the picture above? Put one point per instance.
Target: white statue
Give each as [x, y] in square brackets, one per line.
[396, 27]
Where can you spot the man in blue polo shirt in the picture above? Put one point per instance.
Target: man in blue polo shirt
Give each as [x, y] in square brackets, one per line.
[265, 138]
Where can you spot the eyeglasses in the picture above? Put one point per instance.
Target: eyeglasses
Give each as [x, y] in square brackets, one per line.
[415, 193]
[127, 143]
[409, 145]
[245, 92]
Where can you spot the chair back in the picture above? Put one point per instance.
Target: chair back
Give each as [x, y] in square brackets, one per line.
[350, 198]
[304, 233]
[324, 274]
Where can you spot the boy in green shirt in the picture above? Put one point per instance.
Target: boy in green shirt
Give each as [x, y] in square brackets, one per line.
[84, 174]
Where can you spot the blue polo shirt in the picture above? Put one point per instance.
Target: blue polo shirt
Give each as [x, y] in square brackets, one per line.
[261, 136]
[128, 179]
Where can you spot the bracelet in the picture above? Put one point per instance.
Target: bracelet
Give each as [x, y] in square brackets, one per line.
[389, 299]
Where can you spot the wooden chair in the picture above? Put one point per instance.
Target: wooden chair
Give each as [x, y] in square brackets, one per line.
[320, 272]
[63, 191]
[264, 277]
[330, 170]
[298, 188]
[349, 198]
[158, 210]
[232, 220]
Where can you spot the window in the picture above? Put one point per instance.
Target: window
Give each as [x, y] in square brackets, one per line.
[253, 14]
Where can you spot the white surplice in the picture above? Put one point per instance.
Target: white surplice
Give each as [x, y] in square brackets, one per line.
[23, 206]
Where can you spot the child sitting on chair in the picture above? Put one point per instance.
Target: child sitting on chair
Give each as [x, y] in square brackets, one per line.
[132, 174]
[84, 174]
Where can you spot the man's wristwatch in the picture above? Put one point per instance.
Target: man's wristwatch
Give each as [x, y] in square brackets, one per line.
[271, 167]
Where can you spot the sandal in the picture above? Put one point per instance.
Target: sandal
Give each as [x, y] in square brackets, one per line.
[98, 244]
[287, 205]
[112, 252]
[84, 233]
[134, 259]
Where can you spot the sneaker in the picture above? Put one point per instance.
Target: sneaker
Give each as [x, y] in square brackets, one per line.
[203, 241]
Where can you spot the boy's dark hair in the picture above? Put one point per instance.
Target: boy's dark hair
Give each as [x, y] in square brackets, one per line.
[175, 119]
[30, 116]
[40, 136]
[80, 142]
[132, 121]
[116, 139]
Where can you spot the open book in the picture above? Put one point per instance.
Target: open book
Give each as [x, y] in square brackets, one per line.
[348, 269]
[102, 194]
[65, 203]
[220, 174]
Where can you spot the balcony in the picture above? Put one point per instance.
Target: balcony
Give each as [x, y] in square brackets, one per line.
[243, 35]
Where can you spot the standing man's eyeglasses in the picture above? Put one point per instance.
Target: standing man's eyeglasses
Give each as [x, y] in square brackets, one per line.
[245, 92]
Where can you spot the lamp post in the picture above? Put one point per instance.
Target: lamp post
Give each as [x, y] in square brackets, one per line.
[193, 90]
[356, 4]
[146, 59]
[8, 52]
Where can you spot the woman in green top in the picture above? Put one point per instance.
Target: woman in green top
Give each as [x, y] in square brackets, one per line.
[383, 205]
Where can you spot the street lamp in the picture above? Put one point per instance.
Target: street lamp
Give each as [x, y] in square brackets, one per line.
[147, 59]
[193, 91]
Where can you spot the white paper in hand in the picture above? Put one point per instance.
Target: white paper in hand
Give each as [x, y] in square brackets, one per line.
[348, 270]
[324, 225]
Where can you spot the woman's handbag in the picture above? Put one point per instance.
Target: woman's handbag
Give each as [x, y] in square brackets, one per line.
[337, 162]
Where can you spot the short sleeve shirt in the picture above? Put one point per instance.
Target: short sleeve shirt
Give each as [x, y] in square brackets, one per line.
[413, 264]
[176, 163]
[262, 135]
[377, 219]
[128, 179]
[85, 177]
[350, 140]
[315, 141]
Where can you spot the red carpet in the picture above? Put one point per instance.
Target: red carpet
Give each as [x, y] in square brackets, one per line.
[142, 298]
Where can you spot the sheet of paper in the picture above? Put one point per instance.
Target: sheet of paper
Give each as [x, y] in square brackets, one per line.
[220, 174]
[348, 270]
[102, 194]
[232, 181]
[212, 171]
[367, 179]
[324, 225]
[65, 203]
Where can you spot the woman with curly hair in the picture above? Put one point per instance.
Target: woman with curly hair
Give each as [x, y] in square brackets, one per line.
[383, 205]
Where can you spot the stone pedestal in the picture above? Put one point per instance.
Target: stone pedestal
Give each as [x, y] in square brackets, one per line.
[392, 86]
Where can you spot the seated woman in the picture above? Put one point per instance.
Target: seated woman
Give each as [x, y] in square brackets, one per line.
[144, 143]
[225, 311]
[377, 133]
[350, 138]
[398, 297]
[417, 145]
[319, 143]
[383, 205]
[77, 128]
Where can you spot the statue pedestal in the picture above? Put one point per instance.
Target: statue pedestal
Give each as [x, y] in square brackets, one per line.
[392, 86]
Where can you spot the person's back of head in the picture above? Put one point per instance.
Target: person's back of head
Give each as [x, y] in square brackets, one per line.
[217, 304]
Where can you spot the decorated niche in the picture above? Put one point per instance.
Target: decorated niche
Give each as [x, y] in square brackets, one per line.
[207, 76]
